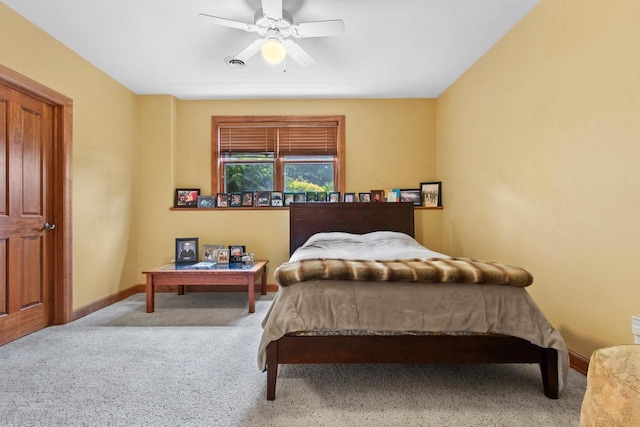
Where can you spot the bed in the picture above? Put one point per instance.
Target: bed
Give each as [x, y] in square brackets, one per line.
[331, 318]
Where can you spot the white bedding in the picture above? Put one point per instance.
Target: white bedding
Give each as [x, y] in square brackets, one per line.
[379, 245]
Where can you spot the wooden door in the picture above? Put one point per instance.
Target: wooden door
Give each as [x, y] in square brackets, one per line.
[26, 140]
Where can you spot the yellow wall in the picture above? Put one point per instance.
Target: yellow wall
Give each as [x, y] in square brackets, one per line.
[538, 146]
[104, 155]
[389, 143]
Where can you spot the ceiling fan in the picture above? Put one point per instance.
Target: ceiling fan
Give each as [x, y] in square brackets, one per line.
[275, 25]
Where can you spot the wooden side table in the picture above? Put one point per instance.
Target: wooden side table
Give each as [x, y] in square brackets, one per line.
[228, 275]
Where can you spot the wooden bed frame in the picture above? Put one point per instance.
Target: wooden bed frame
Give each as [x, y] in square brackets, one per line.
[307, 219]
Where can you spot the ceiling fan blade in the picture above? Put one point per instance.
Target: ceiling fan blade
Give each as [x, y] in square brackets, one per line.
[334, 27]
[272, 8]
[227, 22]
[250, 50]
[297, 53]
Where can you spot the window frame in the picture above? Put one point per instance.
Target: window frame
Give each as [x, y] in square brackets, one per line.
[217, 161]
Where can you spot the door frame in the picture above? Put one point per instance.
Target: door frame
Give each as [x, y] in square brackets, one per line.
[62, 262]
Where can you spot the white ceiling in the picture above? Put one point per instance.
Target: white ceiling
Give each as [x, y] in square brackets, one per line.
[390, 49]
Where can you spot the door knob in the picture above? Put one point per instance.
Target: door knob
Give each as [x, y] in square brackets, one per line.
[48, 226]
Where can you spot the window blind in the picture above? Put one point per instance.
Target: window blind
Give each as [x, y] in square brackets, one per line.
[300, 140]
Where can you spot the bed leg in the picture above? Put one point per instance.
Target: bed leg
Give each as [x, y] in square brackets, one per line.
[549, 370]
[272, 369]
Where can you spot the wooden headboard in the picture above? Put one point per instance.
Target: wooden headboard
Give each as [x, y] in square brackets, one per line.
[307, 219]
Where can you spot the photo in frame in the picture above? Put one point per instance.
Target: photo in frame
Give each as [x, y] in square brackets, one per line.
[364, 197]
[321, 196]
[223, 256]
[310, 196]
[206, 202]
[210, 252]
[431, 194]
[186, 250]
[236, 252]
[334, 197]
[222, 201]
[235, 200]
[410, 195]
[262, 198]
[377, 195]
[349, 197]
[186, 198]
[300, 197]
[247, 198]
[276, 198]
[288, 198]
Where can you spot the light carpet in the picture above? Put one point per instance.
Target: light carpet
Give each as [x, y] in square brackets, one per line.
[193, 363]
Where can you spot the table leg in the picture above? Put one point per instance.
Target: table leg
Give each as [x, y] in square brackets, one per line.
[252, 295]
[150, 293]
[264, 280]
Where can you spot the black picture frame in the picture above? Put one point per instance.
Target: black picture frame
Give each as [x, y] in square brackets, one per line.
[431, 194]
[321, 196]
[186, 198]
[310, 196]
[276, 199]
[235, 200]
[334, 197]
[236, 252]
[289, 198]
[222, 200]
[247, 199]
[349, 197]
[300, 197]
[410, 195]
[364, 197]
[210, 252]
[186, 250]
[206, 202]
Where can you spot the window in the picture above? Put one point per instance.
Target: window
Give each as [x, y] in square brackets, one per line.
[281, 153]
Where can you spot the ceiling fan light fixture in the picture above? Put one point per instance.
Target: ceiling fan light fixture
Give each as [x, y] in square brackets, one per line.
[273, 51]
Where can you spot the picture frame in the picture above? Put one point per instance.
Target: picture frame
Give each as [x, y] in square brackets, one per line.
[206, 202]
[223, 256]
[210, 252]
[310, 196]
[222, 200]
[186, 250]
[349, 197]
[321, 196]
[247, 198]
[263, 198]
[377, 196]
[300, 197]
[334, 197]
[235, 200]
[288, 198]
[186, 198]
[410, 195]
[276, 199]
[236, 252]
[364, 197]
[431, 194]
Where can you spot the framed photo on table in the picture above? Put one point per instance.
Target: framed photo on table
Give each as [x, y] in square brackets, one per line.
[276, 198]
[235, 253]
[186, 198]
[263, 198]
[235, 200]
[206, 202]
[334, 197]
[349, 197]
[431, 194]
[223, 256]
[247, 198]
[288, 198]
[210, 252]
[186, 250]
